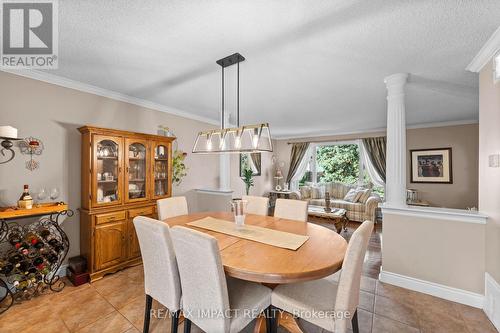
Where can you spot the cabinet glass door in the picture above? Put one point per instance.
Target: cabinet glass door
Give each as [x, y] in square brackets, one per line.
[161, 170]
[136, 178]
[107, 167]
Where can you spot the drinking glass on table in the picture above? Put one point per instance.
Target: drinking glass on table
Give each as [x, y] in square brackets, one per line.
[54, 193]
[41, 194]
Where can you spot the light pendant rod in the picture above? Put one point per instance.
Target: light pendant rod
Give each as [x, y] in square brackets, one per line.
[222, 122]
[238, 95]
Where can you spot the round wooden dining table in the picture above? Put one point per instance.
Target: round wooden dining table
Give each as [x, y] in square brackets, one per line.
[321, 255]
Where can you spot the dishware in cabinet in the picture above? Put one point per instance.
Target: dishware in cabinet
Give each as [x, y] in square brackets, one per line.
[106, 171]
[162, 169]
[137, 169]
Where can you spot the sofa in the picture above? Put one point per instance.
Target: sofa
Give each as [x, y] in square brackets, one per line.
[360, 210]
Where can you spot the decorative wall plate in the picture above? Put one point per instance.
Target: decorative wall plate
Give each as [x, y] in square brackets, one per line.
[31, 146]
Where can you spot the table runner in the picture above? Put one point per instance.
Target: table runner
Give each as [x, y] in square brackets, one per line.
[272, 237]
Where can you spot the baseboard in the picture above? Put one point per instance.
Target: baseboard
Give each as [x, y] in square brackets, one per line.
[434, 289]
[492, 300]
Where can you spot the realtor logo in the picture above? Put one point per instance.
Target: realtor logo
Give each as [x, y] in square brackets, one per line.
[29, 34]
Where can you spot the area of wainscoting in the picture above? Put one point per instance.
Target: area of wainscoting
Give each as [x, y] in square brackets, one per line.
[439, 252]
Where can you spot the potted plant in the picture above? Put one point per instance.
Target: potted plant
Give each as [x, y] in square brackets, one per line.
[179, 168]
[248, 179]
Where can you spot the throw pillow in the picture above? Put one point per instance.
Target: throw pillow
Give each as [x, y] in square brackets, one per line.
[318, 191]
[365, 194]
[353, 195]
[305, 192]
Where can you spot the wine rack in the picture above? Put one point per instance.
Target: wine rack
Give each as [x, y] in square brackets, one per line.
[30, 257]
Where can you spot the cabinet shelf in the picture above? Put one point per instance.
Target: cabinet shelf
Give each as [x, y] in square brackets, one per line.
[107, 181]
[136, 180]
[161, 159]
[163, 178]
[107, 158]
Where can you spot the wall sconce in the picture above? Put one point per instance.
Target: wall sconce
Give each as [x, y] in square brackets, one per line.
[7, 135]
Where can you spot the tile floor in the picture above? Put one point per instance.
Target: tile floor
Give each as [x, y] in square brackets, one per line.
[116, 304]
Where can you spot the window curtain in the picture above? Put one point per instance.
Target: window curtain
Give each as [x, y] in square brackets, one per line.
[299, 158]
[256, 159]
[374, 155]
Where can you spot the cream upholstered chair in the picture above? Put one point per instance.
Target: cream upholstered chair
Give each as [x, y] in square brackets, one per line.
[206, 290]
[291, 209]
[161, 275]
[326, 294]
[171, 207]
[256, 205]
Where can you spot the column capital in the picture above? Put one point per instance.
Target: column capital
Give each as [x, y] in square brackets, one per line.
[396, 79]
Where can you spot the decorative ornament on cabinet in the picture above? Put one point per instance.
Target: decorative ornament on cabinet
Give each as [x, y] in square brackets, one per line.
[31, 146]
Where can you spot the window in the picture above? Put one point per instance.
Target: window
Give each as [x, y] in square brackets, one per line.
[338, 162]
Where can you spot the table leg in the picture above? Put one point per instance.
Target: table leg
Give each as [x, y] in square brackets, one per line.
[285, 320]
[345, 222]
[288, 322]
[260, 325]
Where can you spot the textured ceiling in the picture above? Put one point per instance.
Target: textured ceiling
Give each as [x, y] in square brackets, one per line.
[313, 67]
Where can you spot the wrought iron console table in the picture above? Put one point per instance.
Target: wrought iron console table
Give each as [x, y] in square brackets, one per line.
[31, 253]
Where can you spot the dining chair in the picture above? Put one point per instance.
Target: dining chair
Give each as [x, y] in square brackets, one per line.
[291, 209]
[256, 205]
[161, 275]
[339, 301]
[171, 207]
[205, 289]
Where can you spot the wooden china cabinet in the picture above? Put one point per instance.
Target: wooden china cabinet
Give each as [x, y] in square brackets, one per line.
[123, 174]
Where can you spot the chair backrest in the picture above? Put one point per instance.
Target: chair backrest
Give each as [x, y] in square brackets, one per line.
[203, 280]
[291, 209]
[171, 207]
[350, 277]
[161, 275]
[257, 205]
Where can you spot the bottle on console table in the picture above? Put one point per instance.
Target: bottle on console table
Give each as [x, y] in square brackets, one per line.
[25, 201]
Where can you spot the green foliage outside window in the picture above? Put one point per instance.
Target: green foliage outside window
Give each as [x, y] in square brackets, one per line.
[340, 163]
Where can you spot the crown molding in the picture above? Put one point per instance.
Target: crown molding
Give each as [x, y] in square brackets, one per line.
[91, 89]
[322, 134]
[488, 51]
[443, 124]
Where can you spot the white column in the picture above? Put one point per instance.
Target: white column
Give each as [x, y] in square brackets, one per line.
[225, 166]
[396, 140]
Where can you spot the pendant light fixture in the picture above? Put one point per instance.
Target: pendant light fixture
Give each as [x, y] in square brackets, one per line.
[240, 139]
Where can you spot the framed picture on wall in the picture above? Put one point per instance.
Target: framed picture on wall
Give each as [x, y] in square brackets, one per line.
[431, 166]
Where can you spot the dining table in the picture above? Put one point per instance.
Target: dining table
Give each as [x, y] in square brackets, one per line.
[320, 256]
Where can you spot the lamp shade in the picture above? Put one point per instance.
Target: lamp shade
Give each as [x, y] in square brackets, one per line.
[8, 132]
[251, 139]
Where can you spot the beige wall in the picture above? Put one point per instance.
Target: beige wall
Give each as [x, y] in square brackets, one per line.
[489, 178]
[464, 141]
[449, 253]
[52, 114]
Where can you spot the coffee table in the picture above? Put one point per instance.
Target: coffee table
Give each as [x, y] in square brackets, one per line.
[337, 216]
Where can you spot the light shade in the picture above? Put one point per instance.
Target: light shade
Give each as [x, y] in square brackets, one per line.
[245, 139]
